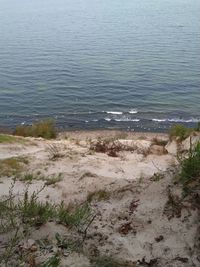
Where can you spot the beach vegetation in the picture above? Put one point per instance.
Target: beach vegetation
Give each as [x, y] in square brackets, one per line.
[21, 215]
[54, 151]
[190, 168]
[45, 129]
[5, 138]
[54, 179]
[12, 166]
[109, 146]
[180, 132]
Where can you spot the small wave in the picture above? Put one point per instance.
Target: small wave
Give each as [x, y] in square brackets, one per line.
[107, 119]
[127, 119]
[133, 111]
[177, 120]
[114, 112]
[159, 120]
[182, 120]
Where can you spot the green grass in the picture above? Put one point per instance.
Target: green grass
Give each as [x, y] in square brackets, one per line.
[45, 129]
[54, 261]
[180, 132]
[74, 218]
[190, 166]
[19, 217]
[34, 212]
[4, 138]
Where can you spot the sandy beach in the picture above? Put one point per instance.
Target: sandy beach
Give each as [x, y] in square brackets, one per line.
[129, 195]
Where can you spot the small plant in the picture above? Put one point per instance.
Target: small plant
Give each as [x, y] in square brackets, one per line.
[190, 167]
[28, 177]
[180, 132]
[198, 127]
[19, 216]
[4, 138]
[54, 261]
[76, 218]
[53, 180]
[45, 129]
[12, 166]
[157, 177]
[54, 151]
[33, 212]
[110, 146]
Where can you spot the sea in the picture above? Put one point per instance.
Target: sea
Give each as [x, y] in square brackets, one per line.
[100, 64]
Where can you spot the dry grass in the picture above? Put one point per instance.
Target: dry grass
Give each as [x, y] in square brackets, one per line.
[12, 166]
[109, 146]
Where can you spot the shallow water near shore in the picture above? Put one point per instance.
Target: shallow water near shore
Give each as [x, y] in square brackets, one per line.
[100, 65]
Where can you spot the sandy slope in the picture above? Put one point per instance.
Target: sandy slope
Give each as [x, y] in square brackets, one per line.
[134, 223]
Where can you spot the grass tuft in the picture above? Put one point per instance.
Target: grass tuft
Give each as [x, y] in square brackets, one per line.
[12, 166]
[4, 138]
[180, 132]
[45, 129]
[190, 166]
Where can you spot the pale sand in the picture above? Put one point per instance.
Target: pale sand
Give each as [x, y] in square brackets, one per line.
[127, 179]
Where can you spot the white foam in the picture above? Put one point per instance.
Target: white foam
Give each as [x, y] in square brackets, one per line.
[114, 112]
[107, 119]
[159, 120]
[177, 120]
[133, 111]
[127, 119]
[182, 120]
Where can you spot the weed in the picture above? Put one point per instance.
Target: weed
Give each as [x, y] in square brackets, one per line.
[12, 166]
[190, 170]
[76, 218]
[34, 212]
[157, 177]
[110, 146]
[54, 261]
[54, 151]
[44, 128]
[53, 180]
[19, 216]
[28, 177]
[4, 138]
[197, 128]
[179, 131]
